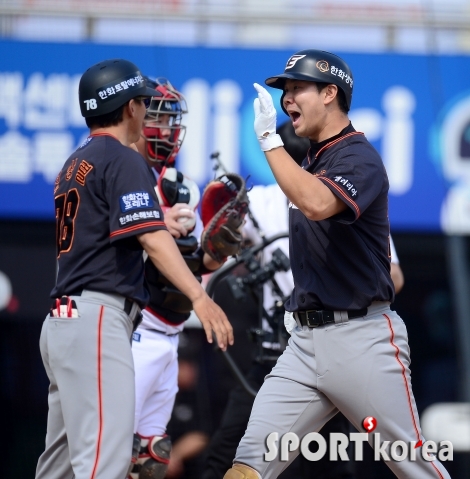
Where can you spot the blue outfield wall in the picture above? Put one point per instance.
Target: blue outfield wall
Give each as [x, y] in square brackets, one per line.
[415, 110]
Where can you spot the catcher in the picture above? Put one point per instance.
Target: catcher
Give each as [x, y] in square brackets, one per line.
[155, 342]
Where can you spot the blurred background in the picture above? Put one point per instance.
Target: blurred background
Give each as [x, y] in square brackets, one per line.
[411, 65]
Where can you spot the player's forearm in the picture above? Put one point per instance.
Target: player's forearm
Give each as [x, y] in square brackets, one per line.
[210, 264]
[165, 255]
[304, 190]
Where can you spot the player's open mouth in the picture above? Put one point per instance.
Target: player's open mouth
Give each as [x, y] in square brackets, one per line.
[294, 115]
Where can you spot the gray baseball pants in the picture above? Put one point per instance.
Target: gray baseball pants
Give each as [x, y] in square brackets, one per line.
[91, 394]
[360, 367]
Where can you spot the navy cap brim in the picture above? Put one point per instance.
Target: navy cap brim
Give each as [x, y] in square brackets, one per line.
[151, 92]
[278, 81]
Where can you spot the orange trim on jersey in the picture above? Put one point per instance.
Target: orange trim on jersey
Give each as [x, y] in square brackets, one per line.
[136, 227]
[341, 138]
[403, 373]
[308, 154]
[103, 134]
[346, 197]
[100, 393]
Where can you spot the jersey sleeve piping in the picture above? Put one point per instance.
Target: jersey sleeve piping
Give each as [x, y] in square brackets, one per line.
[136, 228]
[343, 194]
[329, 145]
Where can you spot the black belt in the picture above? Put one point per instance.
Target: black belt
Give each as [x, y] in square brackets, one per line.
[128, 306]
[314, 318]
[162, 332]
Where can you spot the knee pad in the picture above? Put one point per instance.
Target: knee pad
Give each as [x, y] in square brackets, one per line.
[153, 458]
[240, 471]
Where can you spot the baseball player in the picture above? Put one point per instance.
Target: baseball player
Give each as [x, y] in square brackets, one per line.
[269, 206]
[107, 212]
[155, 342]
[348, 350]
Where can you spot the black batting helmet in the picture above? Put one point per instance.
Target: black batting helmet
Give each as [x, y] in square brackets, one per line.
[106, 86]
[316, 66]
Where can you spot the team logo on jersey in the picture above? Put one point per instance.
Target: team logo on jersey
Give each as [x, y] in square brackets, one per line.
[135, 201]
[323, 66]
[293, 60]
[136, 337]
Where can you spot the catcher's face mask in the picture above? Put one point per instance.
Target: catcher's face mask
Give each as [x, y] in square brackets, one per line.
[163, 130]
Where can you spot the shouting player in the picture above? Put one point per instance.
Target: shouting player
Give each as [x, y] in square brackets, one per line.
[348, 350]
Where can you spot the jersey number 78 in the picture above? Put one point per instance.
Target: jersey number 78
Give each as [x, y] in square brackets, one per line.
[66, 208]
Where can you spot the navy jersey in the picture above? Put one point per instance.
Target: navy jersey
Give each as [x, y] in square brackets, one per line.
[343, 262]
[104, 197]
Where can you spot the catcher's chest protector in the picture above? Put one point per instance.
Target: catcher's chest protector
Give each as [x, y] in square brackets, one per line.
[173, 187]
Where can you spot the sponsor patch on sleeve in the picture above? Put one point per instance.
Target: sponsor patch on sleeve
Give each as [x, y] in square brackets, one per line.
[135, 201]
[141, 215]
[347, 185]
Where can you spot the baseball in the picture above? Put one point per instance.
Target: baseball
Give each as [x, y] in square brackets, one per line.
[187, 218]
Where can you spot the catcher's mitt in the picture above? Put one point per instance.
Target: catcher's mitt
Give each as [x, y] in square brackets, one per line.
[224, 205]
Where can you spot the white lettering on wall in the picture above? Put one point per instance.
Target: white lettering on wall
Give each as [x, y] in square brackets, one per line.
[41, 104]
[398, 138]
[454, 157]
[50, 152]
[193, 158]
[11, 96]
[213, 125]
[15, 158]
[227, 97]
[396, 131]
[47, 101]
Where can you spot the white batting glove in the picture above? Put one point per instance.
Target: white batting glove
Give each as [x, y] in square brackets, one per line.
[265, 120]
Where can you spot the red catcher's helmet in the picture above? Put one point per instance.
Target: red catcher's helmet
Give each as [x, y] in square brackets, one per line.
[171, 106]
